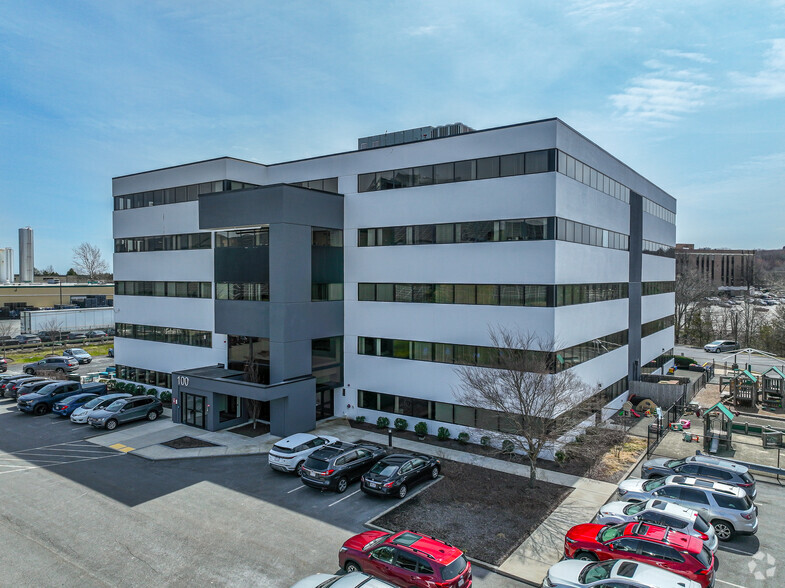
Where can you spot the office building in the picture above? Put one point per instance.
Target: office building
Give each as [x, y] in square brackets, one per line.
[721, 268]
[355, 283]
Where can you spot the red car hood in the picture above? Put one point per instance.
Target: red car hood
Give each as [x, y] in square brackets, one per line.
[359, 541]
[585, 532]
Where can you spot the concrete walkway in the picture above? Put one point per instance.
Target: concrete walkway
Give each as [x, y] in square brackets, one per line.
[529, 562]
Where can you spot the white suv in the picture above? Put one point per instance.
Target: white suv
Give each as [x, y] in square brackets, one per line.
[289, 454]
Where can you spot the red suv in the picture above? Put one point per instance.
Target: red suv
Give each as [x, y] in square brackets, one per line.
[406, 559]
[651, 544]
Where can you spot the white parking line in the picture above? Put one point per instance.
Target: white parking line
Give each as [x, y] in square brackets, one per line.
[296, 489]
[731, 549]
[94, 449]
[730, 583]
[64, 463]
[342, 499]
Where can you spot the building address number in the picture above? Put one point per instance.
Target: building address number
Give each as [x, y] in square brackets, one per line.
[182, 380]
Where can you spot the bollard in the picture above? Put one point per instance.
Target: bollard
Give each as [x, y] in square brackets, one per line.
[389, 437]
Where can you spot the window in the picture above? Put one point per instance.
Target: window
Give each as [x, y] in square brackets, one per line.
[626, 545]
[406, 561]
[693, 496]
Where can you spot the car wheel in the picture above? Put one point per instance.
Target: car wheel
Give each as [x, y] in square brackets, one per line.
[111, 425]
[351, 566]
[30, 371]
[434, 472]
[402, 491]
[40, 409]
[60, 371]
[298, 469]
[723, 529]
[585, 556]
[343, 484]
[152, 415]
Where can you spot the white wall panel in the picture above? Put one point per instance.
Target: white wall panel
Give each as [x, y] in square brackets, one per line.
[167, 219]
[585, 264]
[653, 345]
[657, 306]
[185, 313]
[167, 357]
[656, 268]
[583, 322]
[578, 202]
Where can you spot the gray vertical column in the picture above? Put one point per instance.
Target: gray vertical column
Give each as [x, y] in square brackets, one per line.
[636, 262]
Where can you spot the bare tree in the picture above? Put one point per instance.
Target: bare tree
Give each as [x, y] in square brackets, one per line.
[53, 327]
[691, 293]
[88, 261]
[6, 328]
[530, 397]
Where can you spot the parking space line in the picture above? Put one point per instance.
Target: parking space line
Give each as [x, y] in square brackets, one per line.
[28, 460]
[732, 550]
[344, 498]
[730, 583]
[296, 489]
[94, 449]
[62, 463]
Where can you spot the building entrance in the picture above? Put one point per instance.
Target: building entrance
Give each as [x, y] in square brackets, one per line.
[324, 403]
[194, 410]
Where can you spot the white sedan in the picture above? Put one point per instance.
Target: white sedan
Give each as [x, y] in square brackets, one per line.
[619, 573]
[80, 414]
[289, 454]
[353, 580]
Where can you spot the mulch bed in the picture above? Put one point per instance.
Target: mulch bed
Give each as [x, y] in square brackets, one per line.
[249, 431]
[577, 466]
[188, 443]
[486, 513]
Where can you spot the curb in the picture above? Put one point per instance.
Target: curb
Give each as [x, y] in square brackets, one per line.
[175, 458]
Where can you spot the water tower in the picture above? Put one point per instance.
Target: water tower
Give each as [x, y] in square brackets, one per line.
[6, 265]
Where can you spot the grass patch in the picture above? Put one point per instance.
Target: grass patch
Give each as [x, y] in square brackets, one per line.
[31, 355]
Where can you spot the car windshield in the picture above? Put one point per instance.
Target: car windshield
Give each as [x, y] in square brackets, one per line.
[716, 343]
[79, 351]
[747, 478]
[674, 463]
[115, 406]
[610, 533]
[384, 469]
[313, 463]
[704, 556]
[47, 389]
[634, 508]
[654, 484]
[452, 570]
[596, 571]
[282, 449]
[94, 402]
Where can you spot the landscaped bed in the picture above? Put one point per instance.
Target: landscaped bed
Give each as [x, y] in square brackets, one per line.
[486, 513]
[586, 459]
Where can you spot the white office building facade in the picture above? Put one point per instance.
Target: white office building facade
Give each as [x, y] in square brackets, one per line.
[356, 283]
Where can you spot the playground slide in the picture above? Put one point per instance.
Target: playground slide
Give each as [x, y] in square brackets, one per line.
[635, 414]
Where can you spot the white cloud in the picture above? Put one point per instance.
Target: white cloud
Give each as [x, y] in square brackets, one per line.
[425, 30]
[769, 82]
[663, 95]
[697, 57]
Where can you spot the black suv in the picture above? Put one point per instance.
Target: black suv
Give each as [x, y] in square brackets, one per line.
[335, 466]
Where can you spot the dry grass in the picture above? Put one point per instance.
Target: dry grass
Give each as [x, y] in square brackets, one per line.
[615, 463]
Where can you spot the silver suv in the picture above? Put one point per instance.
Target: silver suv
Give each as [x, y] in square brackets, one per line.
[729, 510]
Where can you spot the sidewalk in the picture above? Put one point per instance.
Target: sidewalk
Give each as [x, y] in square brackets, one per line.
[528, 563]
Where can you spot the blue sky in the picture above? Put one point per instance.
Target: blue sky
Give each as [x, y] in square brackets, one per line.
[690, 94]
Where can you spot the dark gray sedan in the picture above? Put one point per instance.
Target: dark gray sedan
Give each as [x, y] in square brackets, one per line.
[703, 466]
[126, 410]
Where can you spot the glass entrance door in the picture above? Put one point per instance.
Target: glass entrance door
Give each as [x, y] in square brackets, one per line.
[194, 410]
[324, 403]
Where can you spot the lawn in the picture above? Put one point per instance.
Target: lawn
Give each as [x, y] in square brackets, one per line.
[30, 355]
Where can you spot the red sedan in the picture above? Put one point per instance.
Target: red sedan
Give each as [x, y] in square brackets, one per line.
[406, 559]
[651, 544]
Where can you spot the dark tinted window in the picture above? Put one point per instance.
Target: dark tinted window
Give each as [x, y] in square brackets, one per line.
[406, 561]
[313, 463]
[695, 496]
[627, 545]
[454, 569]
[732, 502]
[704, 557]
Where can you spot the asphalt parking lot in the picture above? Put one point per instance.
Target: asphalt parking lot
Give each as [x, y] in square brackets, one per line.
[76, 514]
[755, 561]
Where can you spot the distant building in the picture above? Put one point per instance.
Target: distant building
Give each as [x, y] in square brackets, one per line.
[26, 257]
[720, 267]
[6, 265]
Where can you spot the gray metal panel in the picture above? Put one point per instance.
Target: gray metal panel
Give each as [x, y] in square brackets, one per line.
[636, 262]
[271, 204]
[242, 317]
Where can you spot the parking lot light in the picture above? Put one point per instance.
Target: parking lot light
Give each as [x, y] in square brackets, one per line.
[389, 437]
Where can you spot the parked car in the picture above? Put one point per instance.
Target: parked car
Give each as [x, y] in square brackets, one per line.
[335, 466]
[721, 345]
[49, 336]
[96, 334]
[80, 415]
[354, 580]
[52, 364]
[76, 336]
[728, 509]
[24, 339]
[125, 410]
[660, 512]
[3, 364]
[406, 559]
[703, 466]
[79, 355]
[289, 454]
[26, 386]
[618, 573]
[9, 380]
[43, 400]
[395, 474]
[643, 542]
[68, 405]
[110, 352]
